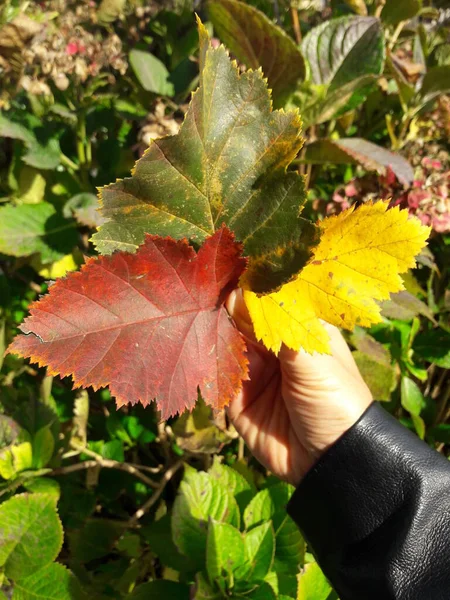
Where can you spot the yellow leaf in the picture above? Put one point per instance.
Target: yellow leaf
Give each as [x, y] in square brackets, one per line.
[357, 263]
[59, 268]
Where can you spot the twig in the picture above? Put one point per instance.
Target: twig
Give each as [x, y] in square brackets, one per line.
[99, 461]
[241, 448]
[396, 34]
[156, 494]
[296, 25]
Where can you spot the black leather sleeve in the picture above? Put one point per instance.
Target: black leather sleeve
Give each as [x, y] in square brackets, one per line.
[375, 510]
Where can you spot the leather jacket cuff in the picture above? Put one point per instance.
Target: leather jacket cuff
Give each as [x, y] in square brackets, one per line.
[359, 482]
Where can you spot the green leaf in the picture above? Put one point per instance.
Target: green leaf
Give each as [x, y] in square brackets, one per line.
[159, 537]
[53, 582]
[110, 10]
[290, 545]
[40, 156]
[434, 347]
[43, 485]
[241, 489]
[227, 165]
[9, 431]
[435, 83]
[440, 433]
[200, 498]
[379, 375]
[411, 396]
[313, 584]
[259, 545]
[225, 553]
[334, 50]
[151, 73]
[16, 459]
[159, 590]
[204, 590]
[36, 228]
[43, 447]
[405, 306]
[395, 11]
[262, 592]
[30, 534]
[270, 504]
[95, 539]
[256, 41]
[84, 207]
[259, 510]
[326, 105]
[43, 156]
[197, 432]
[358, 151]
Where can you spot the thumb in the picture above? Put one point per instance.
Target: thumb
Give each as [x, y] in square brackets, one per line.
[238, 311]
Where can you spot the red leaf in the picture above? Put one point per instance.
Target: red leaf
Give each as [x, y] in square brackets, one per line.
[150, 324]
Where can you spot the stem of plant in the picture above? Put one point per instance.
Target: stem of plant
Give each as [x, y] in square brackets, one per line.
[156, 494]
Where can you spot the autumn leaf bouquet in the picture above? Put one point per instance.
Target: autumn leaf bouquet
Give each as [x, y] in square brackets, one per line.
[207, 210]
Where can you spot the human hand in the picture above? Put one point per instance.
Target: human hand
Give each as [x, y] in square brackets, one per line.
[296, 405]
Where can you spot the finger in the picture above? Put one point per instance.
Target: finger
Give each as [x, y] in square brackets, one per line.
[305, 366]
[238, 311]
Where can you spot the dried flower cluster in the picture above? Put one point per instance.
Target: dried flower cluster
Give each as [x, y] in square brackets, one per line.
[59, 49]
[429, 196]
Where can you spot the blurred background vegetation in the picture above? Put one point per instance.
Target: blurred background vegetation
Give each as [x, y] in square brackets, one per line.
[90, 495]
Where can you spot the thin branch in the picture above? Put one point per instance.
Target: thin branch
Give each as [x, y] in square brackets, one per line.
[296, 25]
[156, 494]
[107, 463]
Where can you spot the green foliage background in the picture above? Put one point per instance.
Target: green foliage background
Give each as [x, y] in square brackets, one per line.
[101, 503]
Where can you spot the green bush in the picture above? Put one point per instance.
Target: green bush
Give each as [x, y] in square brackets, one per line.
[102, 502]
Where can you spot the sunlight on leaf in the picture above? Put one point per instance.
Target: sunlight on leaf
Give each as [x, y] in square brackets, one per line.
[356, 264]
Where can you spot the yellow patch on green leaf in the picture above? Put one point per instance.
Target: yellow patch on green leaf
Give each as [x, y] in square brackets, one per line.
[357, 263]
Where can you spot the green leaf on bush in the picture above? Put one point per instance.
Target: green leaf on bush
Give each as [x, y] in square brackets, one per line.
[259, 545]
[196, 431]
[434, 347]
[256, 41]
[270, 504]
[411, 396]
[95, 539]
[334, 50]
[204, 590]
[262, 592]
[313, 584]
[241, 489]
[16, 459]
[43, 446]
[84, 207]
[53, 582]
[226, 165]
[159, 590]
[326, 105]
[151, 73]
[395, 11]
[378, 374]
[40, 156]
[225, 553]
[30, 534]
[36, 228]
[435, 83]
[200, 498]
[405, 306]
[43, 485]
[159, 537]
[358, 151]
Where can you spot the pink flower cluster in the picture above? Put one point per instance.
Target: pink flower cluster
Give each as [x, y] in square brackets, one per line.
[428, 198]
